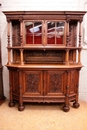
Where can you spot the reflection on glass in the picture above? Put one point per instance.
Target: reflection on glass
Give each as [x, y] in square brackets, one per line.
[33, 32]
[55, 32]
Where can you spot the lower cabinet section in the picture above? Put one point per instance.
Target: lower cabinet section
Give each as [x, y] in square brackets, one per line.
[44, 85]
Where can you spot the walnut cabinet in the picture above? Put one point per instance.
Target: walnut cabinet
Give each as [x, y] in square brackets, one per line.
[44, 56]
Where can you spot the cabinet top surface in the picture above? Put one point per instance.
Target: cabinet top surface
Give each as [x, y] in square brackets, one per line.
[44, 66]
[43, 12]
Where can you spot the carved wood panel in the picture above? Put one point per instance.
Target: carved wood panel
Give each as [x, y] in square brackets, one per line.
[55, 82]
[33, 82]
[16, 33]
[47, 56]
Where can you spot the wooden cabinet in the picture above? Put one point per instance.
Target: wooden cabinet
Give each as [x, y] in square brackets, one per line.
[44, 56]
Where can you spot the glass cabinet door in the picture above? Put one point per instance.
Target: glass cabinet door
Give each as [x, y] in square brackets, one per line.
[55, 32]
[33, 32]
[45, 33]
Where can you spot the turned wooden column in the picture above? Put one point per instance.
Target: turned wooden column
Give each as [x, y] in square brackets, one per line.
[8, 46]
[44, 32]
[8, 31]
[21, 106]
[67, 31]
[67, 57]
[21, 57]
[67, 41]
[79, 57]
[80, 32]
[66, 107]
[21, 32]
[21, 41]
[80, 41]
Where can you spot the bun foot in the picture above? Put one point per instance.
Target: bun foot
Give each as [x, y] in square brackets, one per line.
[66, 108]
[21, 108]
[76, 105]
[11, 104]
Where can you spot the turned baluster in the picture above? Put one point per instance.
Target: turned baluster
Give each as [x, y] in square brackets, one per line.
[67, 33]
[80, 32]
[21, 57]
[9, 50]
[67, 57]
[8, 33]
[79, 56]
[21, 106]
[21, 32]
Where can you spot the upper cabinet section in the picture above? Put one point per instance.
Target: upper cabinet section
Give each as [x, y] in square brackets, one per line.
[44, 29]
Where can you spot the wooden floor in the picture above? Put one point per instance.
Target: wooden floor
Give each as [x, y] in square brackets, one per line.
[43, 117]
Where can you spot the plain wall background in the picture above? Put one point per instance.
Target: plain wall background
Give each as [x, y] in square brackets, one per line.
[40, 5]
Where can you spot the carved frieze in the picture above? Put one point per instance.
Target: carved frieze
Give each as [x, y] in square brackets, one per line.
[44, 56]
[40, 99]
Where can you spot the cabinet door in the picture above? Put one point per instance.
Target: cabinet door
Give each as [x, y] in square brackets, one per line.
[33, 33]
[33, 83]
[44, 33]
[55, 33]
[55, 83]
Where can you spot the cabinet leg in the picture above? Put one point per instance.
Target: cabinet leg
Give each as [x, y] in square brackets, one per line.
[21, 107]
[76, 104]
[66, 108]
[11, 104]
